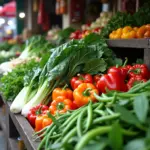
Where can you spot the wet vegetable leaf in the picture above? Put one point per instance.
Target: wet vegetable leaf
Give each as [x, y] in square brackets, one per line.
[95, 65]
[126, 115]
[138, 144]
[141, 106]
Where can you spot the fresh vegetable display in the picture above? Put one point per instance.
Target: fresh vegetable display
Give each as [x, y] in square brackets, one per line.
[119, 120]
[82, 55]
[76, 93]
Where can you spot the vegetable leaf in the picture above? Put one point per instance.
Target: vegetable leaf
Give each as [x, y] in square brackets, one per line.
[141, 106]
[115, 137]
[126, 115]
[137, 144]
[95, 65]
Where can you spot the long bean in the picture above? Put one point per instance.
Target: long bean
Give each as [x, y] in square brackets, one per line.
[48, 137]
[69, 135]
[90, 135]
[70, 124]
[90, 116]
[102, 99]
[140, 87]
[99, 112]
[105, 118]
[79, 123]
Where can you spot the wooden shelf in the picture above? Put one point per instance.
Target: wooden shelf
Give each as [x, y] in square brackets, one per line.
[24, 128]
[13, 144]
[2, 120]
[129, 43]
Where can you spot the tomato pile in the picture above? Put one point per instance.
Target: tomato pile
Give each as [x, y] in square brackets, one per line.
[129, 32]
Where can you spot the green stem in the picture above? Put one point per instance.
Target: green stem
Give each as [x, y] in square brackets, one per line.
[125, 63]
[102, 99]
[64, 88]
[86, 92]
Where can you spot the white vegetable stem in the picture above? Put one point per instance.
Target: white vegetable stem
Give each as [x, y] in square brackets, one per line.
[19, 101]
[37, 99]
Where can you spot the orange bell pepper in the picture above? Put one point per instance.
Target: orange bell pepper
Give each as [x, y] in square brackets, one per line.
[42, 121]
[66, 92]
[61, 104]
[143, 31]
[84, 93]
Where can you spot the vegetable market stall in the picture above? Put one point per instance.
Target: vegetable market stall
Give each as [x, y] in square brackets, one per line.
[15, 125]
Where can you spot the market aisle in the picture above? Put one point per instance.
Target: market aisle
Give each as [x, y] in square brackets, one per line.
[2, 141]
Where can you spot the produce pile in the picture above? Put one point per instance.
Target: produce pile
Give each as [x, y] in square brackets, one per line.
[8, 51]
[94, 27]
[77, 95]
[121, 19]
[35, 47]
[129, 33]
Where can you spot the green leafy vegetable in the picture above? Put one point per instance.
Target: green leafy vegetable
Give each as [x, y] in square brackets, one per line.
[141, 106]
[13, 82]
[126, 115]
[36, 46]
[137, 144]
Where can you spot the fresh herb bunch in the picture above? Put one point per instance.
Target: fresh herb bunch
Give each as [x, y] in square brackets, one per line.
[120, 19]
[142, 17]
[13, 82]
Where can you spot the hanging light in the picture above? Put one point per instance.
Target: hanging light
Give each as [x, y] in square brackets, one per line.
[22, 15]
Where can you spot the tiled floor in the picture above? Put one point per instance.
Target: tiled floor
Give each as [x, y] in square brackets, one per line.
[2, 141]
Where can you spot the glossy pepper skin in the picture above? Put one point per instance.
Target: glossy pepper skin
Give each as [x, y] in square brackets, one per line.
[61, 105]
[135, 80]
[42, 121]
[35, 111]
[81, 78]
[123, 71]
[66, 92]
[139, 69]
[84, 93]
[111, 81]
[96, 78]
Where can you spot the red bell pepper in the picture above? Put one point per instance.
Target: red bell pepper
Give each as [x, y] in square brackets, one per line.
[81, 78]
[96, 78]
[139, 69]
[135, 80]
[123, 71]
[111, 81]
[35, 111]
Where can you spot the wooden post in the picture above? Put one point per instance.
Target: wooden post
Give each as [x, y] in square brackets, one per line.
[137, 5]
[147, 57]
